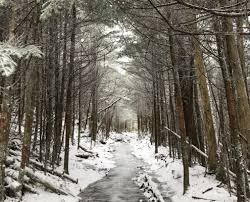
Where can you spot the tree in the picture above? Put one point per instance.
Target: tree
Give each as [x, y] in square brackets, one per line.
[68, 116]
[203, 87]
[181, 118]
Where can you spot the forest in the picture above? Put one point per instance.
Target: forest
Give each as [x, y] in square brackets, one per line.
[91, 87]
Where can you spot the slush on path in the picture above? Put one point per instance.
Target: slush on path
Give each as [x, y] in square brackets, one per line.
[118, 185]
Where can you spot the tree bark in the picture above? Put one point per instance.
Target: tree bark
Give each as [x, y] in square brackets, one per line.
[180, 116]
[235, 68]
[68, 110]
[5, 116]
[233, 121]
[205, 100]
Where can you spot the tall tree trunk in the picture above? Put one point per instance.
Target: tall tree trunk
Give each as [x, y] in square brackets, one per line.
[4, 135]
[94, 113]
[6, 33]
[94, 99]
[68, 111]
[79, 110]
[205, 100]
[57, 106]
[198, 123]
[155, 133]
[241, 51]
[29, 113]
[180, 115]
[163, 107]
[49, 85]
[238, 78]
[73, 114]
[7, 24]
[29, 103]
[60, 106]
[233, 121]
[186, 73]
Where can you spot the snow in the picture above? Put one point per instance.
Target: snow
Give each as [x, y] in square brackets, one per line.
[169, 173]
[151, 191]
[45, 196]
[9, 51]
[90, 170]
[164, 176]
[86, 171]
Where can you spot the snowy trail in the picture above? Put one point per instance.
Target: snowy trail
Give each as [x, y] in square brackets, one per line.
[118, 185]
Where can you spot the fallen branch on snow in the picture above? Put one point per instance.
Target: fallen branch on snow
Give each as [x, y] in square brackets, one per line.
[53, 172]
[30, 189]
[199, 151]
[46, 184]
[41, 167]
[85, 156]
[207, 190]
[86, 150]
[200, 198]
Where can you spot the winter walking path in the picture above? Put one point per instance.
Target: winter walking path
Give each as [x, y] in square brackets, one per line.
[118, 185]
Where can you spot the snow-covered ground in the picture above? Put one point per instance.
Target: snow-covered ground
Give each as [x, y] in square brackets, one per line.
[164, 177]
[168, 173]
[86, 171]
